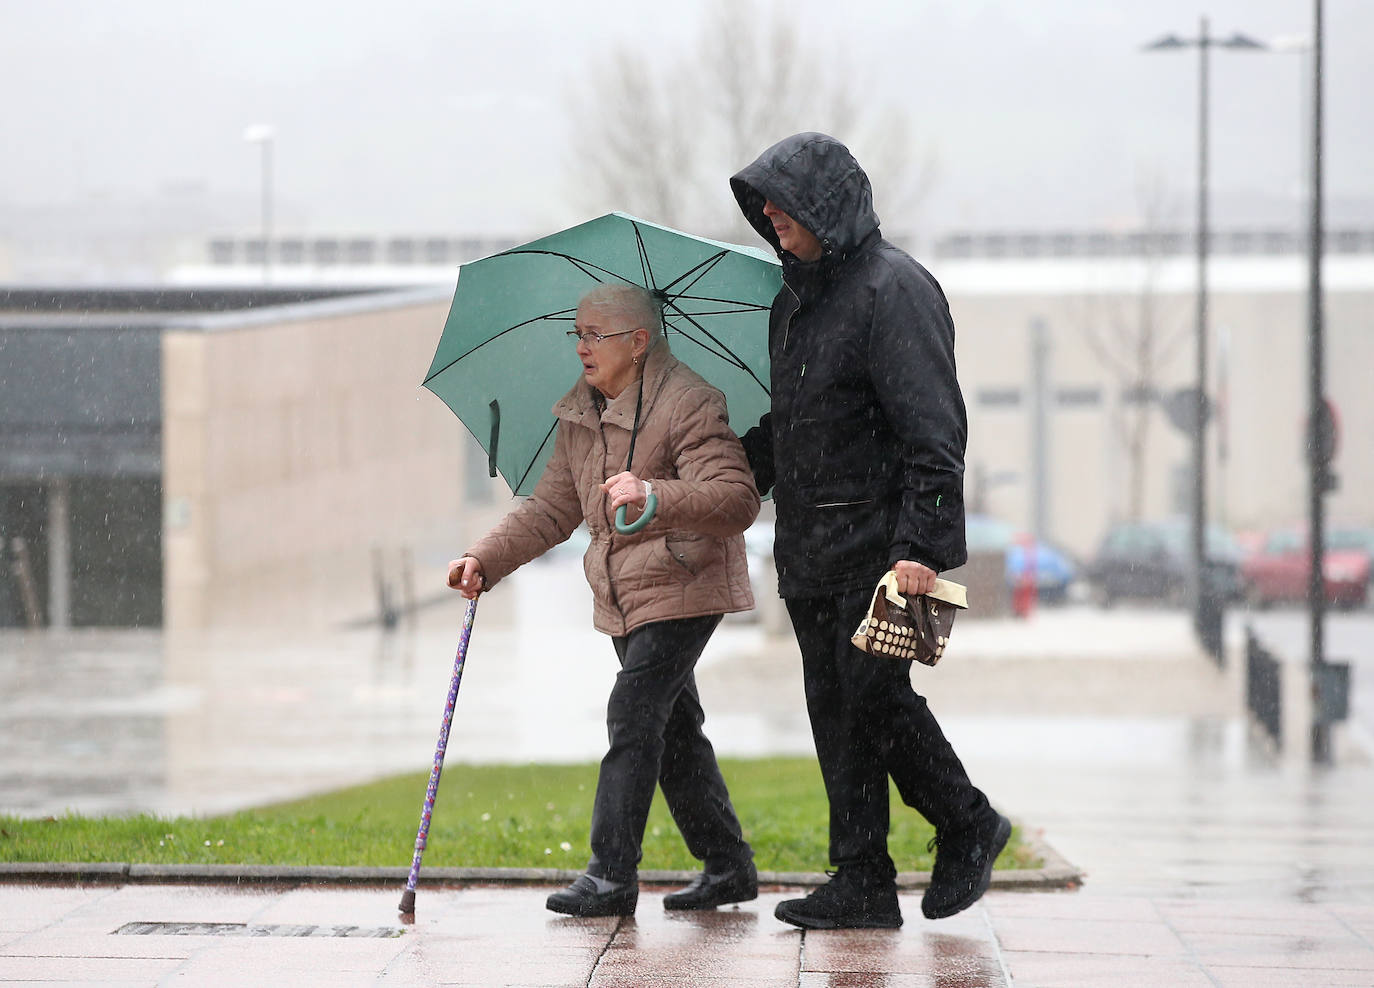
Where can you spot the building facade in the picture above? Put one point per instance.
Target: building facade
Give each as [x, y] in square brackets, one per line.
[1070, 362]
[204, 457]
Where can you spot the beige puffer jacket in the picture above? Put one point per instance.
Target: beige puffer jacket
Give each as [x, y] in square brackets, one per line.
[689, 561]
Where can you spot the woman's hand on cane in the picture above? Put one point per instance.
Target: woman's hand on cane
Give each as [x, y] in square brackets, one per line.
[465, 575]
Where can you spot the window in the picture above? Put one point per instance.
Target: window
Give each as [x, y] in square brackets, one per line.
[1078, 397]
[361, 251]
[291, 251]
[999, 397]
[1139, 394]
[221, 252]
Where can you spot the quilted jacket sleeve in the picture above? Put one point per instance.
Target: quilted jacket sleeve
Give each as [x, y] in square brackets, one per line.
[714, 490]
[545, 518]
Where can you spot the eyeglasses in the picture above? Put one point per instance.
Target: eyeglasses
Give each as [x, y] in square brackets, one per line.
[592, 339]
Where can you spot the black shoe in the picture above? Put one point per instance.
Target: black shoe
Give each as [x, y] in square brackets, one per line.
[582, 899]
[708, 891]
[851, 900]
[963, 867]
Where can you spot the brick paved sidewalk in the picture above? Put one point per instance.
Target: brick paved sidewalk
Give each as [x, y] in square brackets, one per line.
[486, 936]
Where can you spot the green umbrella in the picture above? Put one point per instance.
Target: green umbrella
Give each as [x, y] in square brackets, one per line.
[503, 359]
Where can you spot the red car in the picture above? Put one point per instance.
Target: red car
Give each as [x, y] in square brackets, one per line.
[1278, 572]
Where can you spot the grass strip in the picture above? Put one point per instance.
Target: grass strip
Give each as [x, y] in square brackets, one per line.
[497, 816]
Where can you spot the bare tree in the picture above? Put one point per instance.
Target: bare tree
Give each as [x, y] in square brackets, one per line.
[659, 137]
[632, 146]
[1134, 337]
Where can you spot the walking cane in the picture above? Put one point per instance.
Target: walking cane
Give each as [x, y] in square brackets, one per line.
[432, 790]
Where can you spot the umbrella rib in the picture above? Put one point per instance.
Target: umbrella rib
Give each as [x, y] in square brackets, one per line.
[700, 269]
[720, 312]
[646, 269]
[739, 306]
[535, 459]
[728, 355]
[560, 314]
[586, 267]
[724, 354]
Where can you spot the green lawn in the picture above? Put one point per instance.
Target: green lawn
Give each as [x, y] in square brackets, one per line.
[526, 816]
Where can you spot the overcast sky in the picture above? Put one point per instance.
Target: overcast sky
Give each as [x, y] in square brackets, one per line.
[450, 116]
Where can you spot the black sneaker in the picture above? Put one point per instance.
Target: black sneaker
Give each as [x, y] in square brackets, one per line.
[708, 891]
[963, 867]
[582, 899]
[851, 900]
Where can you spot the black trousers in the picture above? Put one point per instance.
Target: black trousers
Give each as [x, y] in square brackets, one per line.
[654, 720]
[869, 724]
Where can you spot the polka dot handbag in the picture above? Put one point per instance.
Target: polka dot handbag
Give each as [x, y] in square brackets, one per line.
[910, 627]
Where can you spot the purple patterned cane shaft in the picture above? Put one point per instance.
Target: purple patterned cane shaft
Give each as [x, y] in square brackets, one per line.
[432, 790]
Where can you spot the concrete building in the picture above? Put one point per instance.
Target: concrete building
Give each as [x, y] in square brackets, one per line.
[1115, 324]
[188, 458]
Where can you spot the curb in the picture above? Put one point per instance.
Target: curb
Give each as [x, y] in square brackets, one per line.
[1056, 873]
[133, 874]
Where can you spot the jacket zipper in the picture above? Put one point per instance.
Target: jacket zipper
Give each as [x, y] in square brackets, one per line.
[610, 532]
[788, 328]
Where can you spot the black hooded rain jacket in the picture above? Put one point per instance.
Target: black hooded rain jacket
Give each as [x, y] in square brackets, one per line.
[864, 445]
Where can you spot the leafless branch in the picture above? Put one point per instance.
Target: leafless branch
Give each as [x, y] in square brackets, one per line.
[659, 136]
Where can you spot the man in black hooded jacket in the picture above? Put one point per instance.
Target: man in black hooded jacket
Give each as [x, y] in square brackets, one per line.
[864, 451]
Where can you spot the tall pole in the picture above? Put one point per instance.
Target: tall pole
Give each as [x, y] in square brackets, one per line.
[1316, 440]
[1040, 456]
[1200, 433]
[1203, 42]
[263, 136]
[266, 209]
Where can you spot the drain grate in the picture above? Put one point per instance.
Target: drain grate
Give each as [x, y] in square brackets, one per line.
[253, 930]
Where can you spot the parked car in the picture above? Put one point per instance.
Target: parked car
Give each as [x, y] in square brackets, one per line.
[1279, 571]
[1351, 537]
[1152, 560]
[1055, 569]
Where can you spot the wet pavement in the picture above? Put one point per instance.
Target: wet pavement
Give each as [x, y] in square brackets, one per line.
[481, 937]
[1207, 859]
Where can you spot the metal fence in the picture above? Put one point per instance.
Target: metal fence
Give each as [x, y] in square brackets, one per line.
[1262, 686]
[1209, 620]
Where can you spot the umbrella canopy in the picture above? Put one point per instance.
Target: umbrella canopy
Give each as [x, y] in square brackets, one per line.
[503, 359]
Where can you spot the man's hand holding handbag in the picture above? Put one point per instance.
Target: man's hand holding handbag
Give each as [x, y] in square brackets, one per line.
[910, 627]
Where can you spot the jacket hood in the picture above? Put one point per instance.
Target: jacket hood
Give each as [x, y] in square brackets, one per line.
[815, 180]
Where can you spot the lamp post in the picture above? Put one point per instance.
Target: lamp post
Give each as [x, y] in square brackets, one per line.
[263, 136]
[1320, 437]
[1204, 42]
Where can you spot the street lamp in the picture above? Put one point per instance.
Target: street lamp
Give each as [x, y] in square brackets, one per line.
[263, 135]
[1320, 430]
[1203, 43]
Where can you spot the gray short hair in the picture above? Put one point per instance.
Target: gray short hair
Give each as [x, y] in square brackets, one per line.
[635, 307]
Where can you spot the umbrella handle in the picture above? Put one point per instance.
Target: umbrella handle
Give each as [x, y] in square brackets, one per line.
[650, 506]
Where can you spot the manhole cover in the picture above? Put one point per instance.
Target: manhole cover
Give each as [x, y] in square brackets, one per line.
[253, 930]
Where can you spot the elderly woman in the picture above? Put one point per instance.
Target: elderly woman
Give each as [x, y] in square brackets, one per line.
[637, 421]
